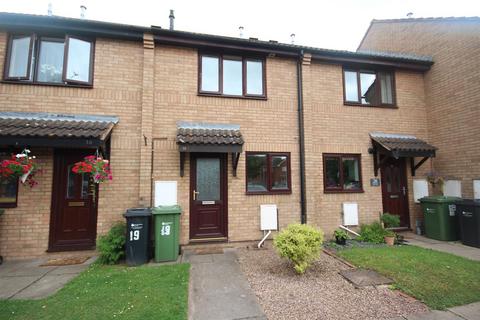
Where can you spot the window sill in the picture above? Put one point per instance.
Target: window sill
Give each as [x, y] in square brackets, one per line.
[268, 193]
[353, 104]
[7, 206]
[205, 94]
[344, 191]
[47, 84]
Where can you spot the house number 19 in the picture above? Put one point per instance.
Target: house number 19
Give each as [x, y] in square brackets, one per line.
[134, 235]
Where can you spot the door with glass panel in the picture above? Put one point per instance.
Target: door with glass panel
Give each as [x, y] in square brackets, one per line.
[73, 222]
[208, 196]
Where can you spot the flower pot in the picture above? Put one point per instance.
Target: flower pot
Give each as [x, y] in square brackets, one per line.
[340, 241]
[24, 177]
[390, 240]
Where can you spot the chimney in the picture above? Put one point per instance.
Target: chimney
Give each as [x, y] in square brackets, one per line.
[292, 38]
[83, 11]
[240, 32]
[172, 20]
[49, 12]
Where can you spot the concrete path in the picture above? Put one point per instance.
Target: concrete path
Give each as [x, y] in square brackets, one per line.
[218, 288]
[456, 248]
[26, 279]
[467, 312]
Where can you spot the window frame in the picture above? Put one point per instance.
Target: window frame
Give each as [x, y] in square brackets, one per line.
[340, 157]
[35, 44]
[376, 72]
[238, 57]
[10, 205]
[269, 156]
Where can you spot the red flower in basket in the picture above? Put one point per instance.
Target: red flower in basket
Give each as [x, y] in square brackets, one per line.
[97, 167]
[21, 166]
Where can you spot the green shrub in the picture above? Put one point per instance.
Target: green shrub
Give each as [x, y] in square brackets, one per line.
[390, 220]
[373, 232]
[299, 243]
[112, 245]
[340, 234]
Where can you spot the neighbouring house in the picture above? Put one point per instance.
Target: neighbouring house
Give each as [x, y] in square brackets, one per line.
[452, 89]
[229, 123]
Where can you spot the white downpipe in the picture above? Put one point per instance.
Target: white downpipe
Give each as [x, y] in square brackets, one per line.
[265, 236]
[349, 230]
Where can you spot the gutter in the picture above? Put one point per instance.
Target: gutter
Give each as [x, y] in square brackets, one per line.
[301, 140]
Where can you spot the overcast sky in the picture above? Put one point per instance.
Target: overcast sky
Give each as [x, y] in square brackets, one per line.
[336, 24]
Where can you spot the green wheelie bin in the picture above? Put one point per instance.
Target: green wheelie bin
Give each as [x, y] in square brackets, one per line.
[167, 229]
[441, 222]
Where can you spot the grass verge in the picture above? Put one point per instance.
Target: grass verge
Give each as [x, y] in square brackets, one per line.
[440, 280]
[112, 292]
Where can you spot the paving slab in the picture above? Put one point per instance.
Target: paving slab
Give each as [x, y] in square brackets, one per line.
[9, 286]
[364, 278]
[470, 311]
[219, 290]
[44, 287]
[435, 315]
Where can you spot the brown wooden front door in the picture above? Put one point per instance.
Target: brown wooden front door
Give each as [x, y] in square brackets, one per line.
[73, 222]
[394, 189]
[208, 196]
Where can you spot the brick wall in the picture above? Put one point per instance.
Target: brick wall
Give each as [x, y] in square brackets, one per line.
[452, 86]
[117, 91]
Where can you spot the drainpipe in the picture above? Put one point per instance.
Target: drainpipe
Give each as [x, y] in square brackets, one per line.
[301, 140]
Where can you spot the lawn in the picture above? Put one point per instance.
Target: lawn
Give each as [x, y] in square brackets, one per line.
[440, 280]
[112, 292]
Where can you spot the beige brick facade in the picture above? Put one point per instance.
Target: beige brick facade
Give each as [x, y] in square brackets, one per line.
[451, 86]
[150, 86]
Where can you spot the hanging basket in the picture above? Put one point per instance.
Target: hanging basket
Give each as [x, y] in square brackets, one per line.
[97, 167]
[20, 166]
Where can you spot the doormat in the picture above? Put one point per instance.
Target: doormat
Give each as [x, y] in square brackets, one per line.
[64, 261]
[215, 250]
[364, 278]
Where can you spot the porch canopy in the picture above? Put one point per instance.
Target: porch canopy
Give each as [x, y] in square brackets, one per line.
[55, 130]
[209, 138]
[398, 146]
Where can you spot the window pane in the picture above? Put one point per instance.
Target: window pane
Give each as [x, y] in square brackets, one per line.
[8, 191]
[85, 185]
[279, 173]
[332, 179]
[386, 87]
[208, 179]
[19, 53]
[254, 77]
[78, 63]
[210, 74]
[50, 62]
[70, 182]
[368, 88]
[351, 86]
[351, 174]
[257, 173]
[232, 77]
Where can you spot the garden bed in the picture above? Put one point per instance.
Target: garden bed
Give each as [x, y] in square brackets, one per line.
[321, 293]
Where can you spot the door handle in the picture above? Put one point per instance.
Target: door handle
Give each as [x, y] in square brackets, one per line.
[404, 189]
[195, 193]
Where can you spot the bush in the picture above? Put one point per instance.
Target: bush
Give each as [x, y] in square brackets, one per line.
[373, 233]
[299, 243]
[112, 245]
[340, 234]
[390, 220]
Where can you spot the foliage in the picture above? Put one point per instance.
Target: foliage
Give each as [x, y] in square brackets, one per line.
[441, 280]
[389, 233]
[299, 243]
[22, 166]
[341, 234]
[390, 220]
[97, 167]
[111, 292]
[373, 232]
[435, 179]
[112, 245]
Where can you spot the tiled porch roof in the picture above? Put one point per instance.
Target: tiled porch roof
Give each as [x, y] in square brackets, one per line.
[402, 143]
[50, 125]
[208, 133]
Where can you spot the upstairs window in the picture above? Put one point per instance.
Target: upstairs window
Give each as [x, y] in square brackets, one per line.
[268, 173]
[233, 76]
[369, 88]
[49, 60]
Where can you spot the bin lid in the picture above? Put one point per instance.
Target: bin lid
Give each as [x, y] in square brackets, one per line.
[439, 199]
[138, 212]
[167, 209]
[469, 202]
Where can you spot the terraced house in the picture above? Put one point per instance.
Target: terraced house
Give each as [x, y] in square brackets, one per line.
[221, 124]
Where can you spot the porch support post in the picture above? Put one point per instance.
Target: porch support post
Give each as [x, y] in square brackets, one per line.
[182, 164]
[414, 166]
[146, 143]
[235, 158]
